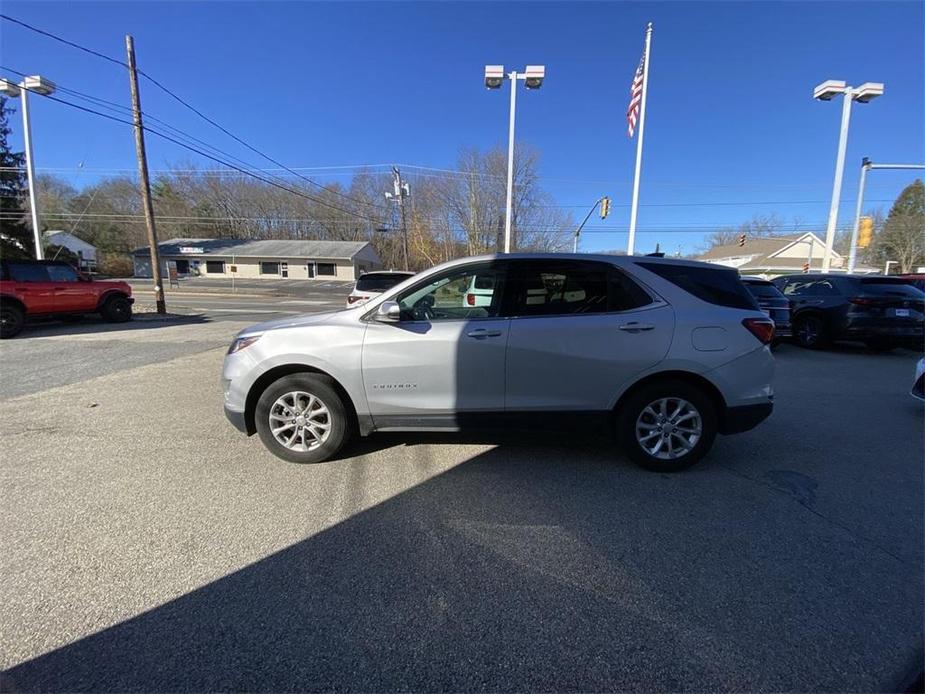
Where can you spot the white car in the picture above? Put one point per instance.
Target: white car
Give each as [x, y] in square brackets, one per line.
[918, 383]
[372, 284]
[665, 354]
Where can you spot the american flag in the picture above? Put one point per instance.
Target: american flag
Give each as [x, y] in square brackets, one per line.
[632, 113]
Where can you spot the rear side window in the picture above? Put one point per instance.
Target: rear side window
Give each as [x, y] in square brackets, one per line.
[374, 282]
[713, 285]
[28, 272]
[885, 287]
[763, 290]
[811, 288]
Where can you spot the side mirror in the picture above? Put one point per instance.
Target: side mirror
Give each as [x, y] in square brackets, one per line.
[388, 312]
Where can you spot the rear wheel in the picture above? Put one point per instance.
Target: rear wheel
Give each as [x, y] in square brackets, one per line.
[667, 426]
[302, 418]
[809, 332]
[12, 320]
[117, 309]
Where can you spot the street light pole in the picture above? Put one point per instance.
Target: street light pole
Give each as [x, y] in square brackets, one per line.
[853, 251]
[510, 164]
[532, 77]
[30, 173]
[827, 91]
[836, 187]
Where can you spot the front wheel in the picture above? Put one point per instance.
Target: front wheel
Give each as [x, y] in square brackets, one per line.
[667, 426]
[302, 418]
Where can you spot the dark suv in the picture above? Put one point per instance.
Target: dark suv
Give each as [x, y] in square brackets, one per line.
[771, 301]
[882, 312]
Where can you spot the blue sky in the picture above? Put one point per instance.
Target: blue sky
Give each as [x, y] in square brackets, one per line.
[732, 128]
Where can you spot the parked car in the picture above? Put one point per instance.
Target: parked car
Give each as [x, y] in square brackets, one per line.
[52, 288]
[772, 302]
[918, 382]
[882, 312]
[663, 353]
[372, 284]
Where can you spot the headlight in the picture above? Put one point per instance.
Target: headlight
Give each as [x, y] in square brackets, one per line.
[242, 343]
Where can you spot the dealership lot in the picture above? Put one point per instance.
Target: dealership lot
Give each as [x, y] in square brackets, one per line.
[149, 546]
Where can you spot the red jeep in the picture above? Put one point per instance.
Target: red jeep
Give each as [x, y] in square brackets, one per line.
[53, 288]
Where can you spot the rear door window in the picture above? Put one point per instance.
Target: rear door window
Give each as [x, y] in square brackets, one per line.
[550, 288]
[62, 273]
[763, 290]
[719, 286]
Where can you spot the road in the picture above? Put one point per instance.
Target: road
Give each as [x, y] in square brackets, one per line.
[147, 545]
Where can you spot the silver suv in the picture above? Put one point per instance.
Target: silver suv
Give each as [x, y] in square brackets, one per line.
[664, 354]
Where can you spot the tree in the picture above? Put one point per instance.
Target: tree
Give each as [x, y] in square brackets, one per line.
[903, 235]
[15, 233]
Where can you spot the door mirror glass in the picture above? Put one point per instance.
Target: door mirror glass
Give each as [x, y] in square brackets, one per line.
[388, 312]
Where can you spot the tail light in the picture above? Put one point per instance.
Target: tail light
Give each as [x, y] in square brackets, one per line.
[354, 299]
[470, 299]
[762, 328]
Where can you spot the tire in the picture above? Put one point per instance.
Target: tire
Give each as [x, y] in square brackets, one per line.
[281, 397]
[117, 309]
[634, 412]
[809, 332]
[12, 320]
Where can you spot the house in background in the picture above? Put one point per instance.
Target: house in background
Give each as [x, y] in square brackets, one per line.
[270, 259]
[770, 256]
[85, 252]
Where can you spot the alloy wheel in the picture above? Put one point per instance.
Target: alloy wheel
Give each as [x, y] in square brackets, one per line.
[669, 428]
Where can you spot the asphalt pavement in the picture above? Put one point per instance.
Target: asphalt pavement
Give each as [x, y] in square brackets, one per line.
[149, 546]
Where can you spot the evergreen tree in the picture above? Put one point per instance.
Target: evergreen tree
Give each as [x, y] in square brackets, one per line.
[903, 235]
[15, 232]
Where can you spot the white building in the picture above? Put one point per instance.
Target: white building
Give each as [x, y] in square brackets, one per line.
[770, 256]
[85, 252]
[271, 259]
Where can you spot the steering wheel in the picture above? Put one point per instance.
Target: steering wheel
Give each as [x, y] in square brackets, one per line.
[424, 308]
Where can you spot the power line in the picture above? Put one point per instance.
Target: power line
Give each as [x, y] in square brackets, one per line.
[192, 108]
[213, 158]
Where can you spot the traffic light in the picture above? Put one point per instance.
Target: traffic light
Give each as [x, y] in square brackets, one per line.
[605, 207]
[741, 239]
[865, 232]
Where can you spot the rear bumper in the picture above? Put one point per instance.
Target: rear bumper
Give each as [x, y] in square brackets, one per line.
[237, 419]
[745, 417]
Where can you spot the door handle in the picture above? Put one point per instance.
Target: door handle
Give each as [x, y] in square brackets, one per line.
[636, 327]
[482, 332]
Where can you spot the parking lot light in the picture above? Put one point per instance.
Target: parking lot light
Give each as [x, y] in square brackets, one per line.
[43, 87]
[826, 91]
[532, 77]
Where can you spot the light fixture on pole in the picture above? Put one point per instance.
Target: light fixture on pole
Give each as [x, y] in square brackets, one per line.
[827, 91]
[44, 87]
[532, 77]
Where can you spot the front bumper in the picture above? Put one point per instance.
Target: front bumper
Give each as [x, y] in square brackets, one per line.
[735, 420]
[237, 419]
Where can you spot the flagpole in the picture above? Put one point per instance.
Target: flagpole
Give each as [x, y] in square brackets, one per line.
[631, 243]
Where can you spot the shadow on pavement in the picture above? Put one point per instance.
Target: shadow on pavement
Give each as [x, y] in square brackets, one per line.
[520, 569]
[87, 325]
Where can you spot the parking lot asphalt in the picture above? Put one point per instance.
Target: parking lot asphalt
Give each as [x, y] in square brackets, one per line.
[148, 546]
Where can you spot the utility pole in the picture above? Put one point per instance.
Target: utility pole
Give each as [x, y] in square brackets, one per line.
[143, 181]
[402, 190]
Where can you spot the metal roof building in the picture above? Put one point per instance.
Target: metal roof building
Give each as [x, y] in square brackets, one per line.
[267, 259]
